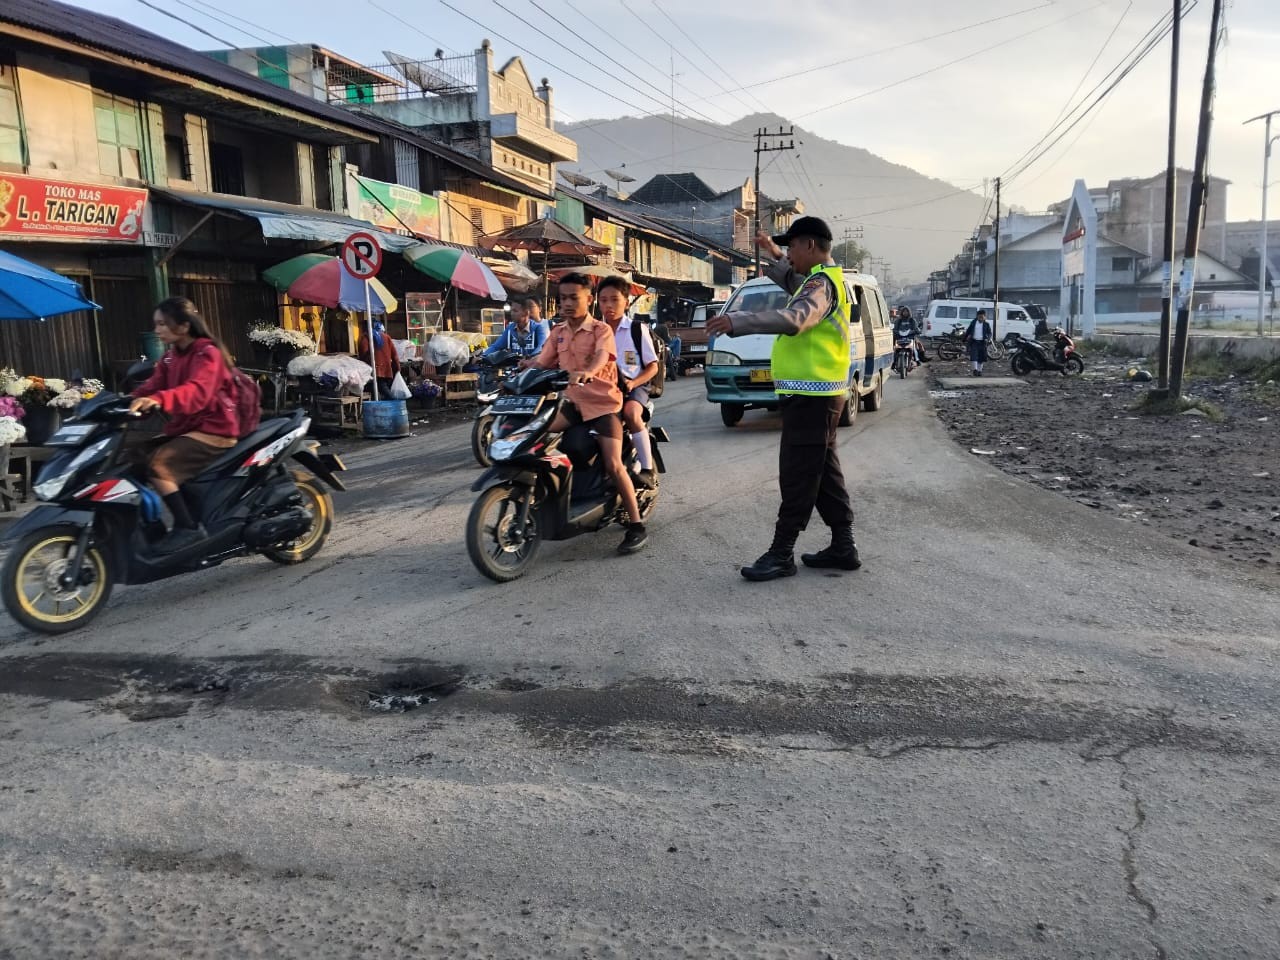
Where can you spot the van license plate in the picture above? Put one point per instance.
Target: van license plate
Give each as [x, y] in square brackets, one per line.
[764, 375]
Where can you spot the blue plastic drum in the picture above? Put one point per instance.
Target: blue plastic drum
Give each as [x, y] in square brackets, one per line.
[386, 419]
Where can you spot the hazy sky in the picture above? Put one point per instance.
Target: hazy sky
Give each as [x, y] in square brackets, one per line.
[989, 92]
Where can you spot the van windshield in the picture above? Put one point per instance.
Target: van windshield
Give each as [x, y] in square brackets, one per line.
[773, 298]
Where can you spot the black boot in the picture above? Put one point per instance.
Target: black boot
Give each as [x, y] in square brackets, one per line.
[841, 555]
[778, 561]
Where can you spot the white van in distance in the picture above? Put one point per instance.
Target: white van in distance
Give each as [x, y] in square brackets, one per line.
[943, 315]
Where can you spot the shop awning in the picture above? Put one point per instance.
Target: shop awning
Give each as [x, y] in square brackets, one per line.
[287, 221]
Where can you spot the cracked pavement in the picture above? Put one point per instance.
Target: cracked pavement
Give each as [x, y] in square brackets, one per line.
[1022, 730]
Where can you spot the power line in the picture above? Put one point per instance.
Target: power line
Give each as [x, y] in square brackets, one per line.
[698, 67]
[225, 23]
[1094, 62]
[561, 69]
[949, 63]
[411, 26]
[891, 49]
[1152, 35]
[1022, 166]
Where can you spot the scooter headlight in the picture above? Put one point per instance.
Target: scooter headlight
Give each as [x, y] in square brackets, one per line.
[50, 488]
[504, 448]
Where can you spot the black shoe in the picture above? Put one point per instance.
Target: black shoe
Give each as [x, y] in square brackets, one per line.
[771, 566]
[635, 538]
[831, 558]
[647, 479]
[179, 539]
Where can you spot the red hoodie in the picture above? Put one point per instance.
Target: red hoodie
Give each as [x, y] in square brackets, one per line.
[193, 387]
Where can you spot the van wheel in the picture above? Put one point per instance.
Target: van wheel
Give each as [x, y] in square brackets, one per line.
[731, 413]
[875, 399]
[849, 412]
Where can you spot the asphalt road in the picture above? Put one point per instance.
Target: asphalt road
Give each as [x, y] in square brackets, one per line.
[1021, 730]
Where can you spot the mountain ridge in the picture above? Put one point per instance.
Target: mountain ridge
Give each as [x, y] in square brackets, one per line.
[914, 221]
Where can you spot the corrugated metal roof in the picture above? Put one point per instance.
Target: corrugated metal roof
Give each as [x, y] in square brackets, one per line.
[668, 188]
[97, 31]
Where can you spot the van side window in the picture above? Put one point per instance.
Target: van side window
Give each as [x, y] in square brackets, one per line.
[968, 313]
[857, 303]
[1016, 315]
[944, 313]
[882, 311]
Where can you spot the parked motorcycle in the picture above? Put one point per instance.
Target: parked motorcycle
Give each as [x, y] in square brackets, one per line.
[1028, 355]
[493, 371]
[100, 520]
[543, 485]
[904, 357]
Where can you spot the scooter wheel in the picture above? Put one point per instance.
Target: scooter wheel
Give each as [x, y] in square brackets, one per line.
[481, 437]
[1020, 365]
[316, 499]
[491, 542]
[1073, 367]
[29, 581]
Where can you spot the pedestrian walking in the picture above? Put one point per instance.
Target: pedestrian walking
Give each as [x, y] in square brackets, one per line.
[978, 336]
[810, 363]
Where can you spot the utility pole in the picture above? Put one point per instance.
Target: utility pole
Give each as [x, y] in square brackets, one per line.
[973, 263]
[1262, 246]
[761, 136]
[1170, 210]
[995, 316]
[1195, 214]
[850, 234]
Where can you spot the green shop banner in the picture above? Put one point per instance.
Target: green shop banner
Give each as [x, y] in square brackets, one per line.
[393, 207]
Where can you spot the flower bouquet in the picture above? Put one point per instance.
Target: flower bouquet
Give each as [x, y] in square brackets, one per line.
[11, 431]
[10, 407]
[278, 346]
[68, 399]
[40, 418]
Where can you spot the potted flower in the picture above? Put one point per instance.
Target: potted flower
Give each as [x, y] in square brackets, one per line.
[277, 345]
[34, 393]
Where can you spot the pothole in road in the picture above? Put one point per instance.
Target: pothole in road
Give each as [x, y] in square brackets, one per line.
[409, 690]
[146, 688]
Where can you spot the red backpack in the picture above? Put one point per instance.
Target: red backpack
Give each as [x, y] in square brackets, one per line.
[247, 396]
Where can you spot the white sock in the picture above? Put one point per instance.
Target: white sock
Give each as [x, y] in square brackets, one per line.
[644, 452]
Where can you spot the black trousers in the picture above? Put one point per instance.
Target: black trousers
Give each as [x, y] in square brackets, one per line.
[809, 472]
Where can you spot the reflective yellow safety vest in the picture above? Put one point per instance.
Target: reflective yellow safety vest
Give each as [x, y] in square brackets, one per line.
[816, 362]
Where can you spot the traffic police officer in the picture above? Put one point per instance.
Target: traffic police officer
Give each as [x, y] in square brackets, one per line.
[810, 365]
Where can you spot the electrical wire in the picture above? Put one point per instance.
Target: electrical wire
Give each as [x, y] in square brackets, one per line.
[1149, 43]
[1094, 62]
[949, 63]
[562, 70]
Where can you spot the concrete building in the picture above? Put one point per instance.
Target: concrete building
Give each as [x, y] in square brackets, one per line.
[496, 115]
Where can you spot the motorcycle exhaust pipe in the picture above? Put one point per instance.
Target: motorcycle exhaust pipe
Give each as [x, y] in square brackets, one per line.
[277, 528]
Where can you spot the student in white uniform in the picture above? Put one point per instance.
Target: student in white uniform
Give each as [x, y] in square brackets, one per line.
[637, 365]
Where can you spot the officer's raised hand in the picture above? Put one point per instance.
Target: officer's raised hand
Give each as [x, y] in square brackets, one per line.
[721, 323]
[765, 243]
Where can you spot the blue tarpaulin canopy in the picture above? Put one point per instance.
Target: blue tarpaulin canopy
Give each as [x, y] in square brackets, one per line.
[29, 292]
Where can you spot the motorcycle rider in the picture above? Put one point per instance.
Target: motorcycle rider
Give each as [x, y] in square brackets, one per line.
[192, 383]
[907, 327]
[521, 335]
[586, 350]
[635, 370]
[1061, 345]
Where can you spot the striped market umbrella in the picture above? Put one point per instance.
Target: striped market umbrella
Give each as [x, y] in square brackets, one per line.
[322, 280]
[457, 268]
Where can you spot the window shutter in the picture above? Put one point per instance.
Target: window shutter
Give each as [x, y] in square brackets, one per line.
[477, 224]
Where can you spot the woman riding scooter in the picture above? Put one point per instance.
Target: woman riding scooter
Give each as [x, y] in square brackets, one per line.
[192, 384]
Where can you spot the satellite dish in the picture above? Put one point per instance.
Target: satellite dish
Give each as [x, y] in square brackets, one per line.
[577, 179]
[620, 176]
[427, 79]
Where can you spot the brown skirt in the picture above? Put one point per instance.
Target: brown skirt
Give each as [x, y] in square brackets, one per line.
[182, 458]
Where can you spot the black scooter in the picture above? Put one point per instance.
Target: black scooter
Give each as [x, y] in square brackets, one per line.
[543, 485]
[1028, 355]
[100, 520]
[493, 371]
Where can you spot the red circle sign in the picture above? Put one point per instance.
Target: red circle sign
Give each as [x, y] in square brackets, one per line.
[361, 255]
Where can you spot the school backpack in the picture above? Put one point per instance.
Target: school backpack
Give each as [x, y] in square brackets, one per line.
[659, 381]
[247, 396]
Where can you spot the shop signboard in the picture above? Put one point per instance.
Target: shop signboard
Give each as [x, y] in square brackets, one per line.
[610, 234]
[37, 208]
[393, 207]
